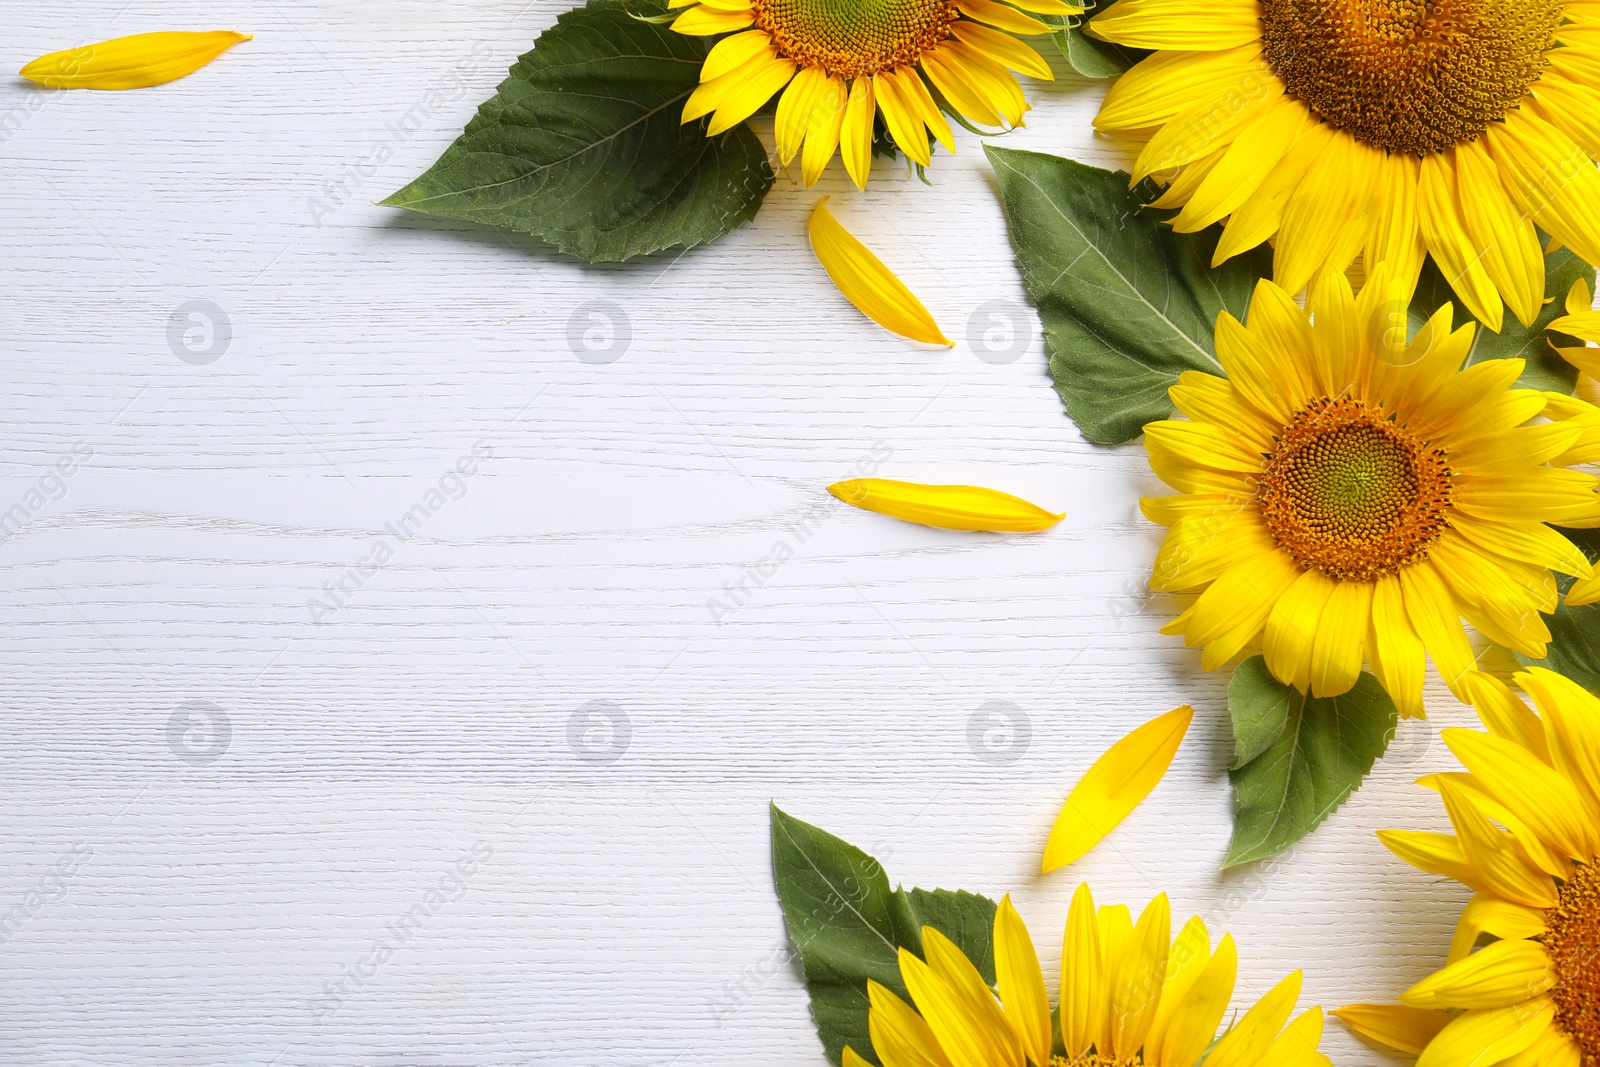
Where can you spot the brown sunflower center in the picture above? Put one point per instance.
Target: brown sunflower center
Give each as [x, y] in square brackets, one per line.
[1094, 1059]
[1413, 76]
[851, 38]
[1572, 938]
[1351, 493]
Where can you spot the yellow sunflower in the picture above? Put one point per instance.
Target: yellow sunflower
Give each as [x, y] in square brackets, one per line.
[1344, 494]
[845, 61]
[1130, 997]
[1527, 820]
[1397, 128]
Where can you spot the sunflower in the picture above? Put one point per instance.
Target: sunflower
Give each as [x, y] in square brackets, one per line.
[1129, 996]
[845, 61]
[1397, 128]
[1527, 820]
[1345, 494]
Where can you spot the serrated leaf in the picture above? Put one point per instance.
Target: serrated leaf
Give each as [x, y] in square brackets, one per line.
[1297, 758]
[1127, 304]
[1546, 369]
[581, 146]
[848, 926]
[1574, 631]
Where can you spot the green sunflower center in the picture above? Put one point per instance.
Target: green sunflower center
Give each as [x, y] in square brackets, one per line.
[850, 38]
[1572, 938]
[1351, 493]
[1413, 76]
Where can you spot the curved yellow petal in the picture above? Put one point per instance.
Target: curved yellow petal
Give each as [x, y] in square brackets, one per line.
[1175, 24]
[1487, 914]
[134, 62]
[1114, 786]
[948, 507]
[1533, 791]
[1002, 17]
[1512, 255]
[1021, 982]
[867, 283]
[1186, 962]
[902, 117]
[1397, 1026]
[733, 52]
[1496, 976]
[1445, 230]
[1004, 49]
[703, 21]
[1489, 1036]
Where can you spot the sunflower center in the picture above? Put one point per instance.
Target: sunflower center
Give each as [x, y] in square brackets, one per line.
[1572, 938]
[1414, 76]
[1351, 493]
[850, 38]
[1094, 1059]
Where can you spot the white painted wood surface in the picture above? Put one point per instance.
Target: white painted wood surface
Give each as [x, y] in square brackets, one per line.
[512, 791]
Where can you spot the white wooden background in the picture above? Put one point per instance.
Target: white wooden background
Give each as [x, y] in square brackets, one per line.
[513, 792]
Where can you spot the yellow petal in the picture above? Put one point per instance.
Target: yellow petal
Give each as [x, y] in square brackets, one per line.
[855, 136]
[852, 1059]
[1083, 999]
[1185, 963]
[1496, 976]
[1534, 792]
[1135, 981]
[703, 21]
[1021, 982]
[1001, 17]
[1195, 1020]
[1486, 914]
[949, 507]
[1003, 48]
[1397, 1026]
[1485, 1037]
[866, 282]
[1247, 1041]
[822, 130]
[900, 1036]
[1297, 1045]
[1114, 786]
[134, 62]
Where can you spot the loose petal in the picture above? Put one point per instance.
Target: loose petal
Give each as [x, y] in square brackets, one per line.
[135, 62]
[867, 283]
[1114, 786]
[1399, 1027]
[949, 507]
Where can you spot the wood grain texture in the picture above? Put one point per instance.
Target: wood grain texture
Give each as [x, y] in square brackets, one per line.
[504, 800]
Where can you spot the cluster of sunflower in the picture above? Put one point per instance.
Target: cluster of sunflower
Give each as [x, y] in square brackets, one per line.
[1347, 496]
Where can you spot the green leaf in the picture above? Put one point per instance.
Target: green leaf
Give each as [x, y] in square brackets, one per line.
[1296, 757]
[1574, 631]
[581, 146]
[1546, 369]
[848, 926]
[1090, 56]
[1127, 304]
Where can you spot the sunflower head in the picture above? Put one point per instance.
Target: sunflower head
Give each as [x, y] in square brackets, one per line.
[1414, 76]
[1386, 130]
[1348, 496]
[1130, 996]
[842, 64]
[1521, 985]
